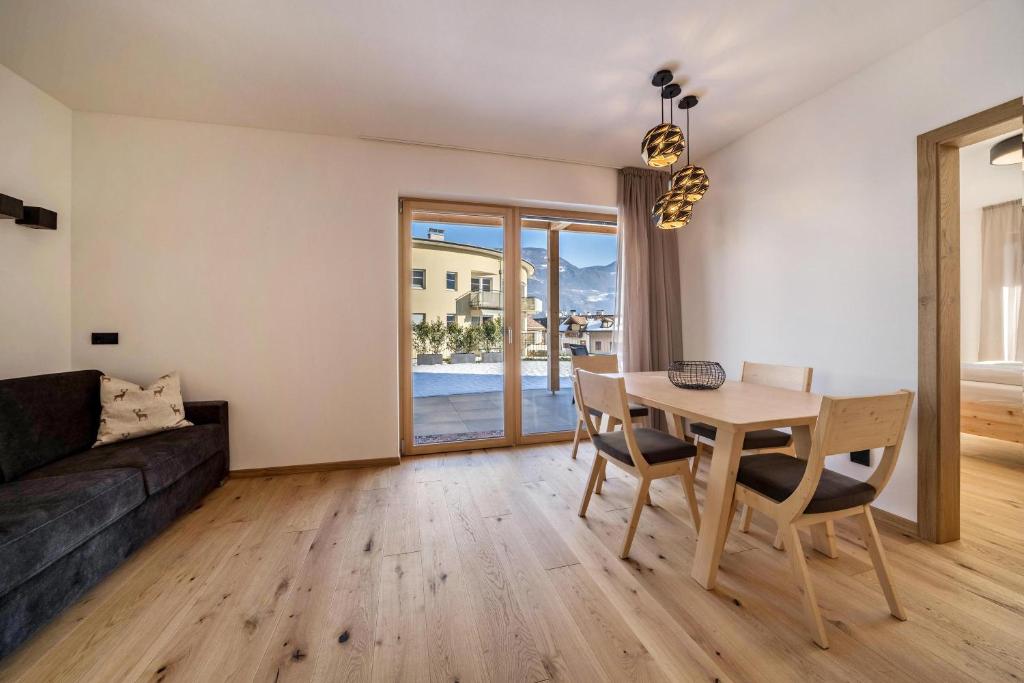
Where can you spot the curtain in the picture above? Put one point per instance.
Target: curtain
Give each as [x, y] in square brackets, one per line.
[1002, 281]
[650, 318]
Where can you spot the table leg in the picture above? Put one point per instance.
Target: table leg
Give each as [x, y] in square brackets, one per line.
[823, 536]
[714, 528]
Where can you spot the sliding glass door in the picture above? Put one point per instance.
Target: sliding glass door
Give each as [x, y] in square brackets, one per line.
[485, 298]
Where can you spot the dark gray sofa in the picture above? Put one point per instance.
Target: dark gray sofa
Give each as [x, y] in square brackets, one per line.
[70, 513]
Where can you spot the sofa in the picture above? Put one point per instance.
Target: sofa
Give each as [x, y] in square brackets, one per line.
[70, 513]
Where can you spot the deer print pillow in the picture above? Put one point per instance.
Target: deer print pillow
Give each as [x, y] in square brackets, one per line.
[130, 411]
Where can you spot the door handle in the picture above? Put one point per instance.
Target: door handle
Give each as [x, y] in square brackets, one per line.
[508, 335]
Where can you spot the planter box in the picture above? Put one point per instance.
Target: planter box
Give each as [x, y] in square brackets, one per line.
[492, 357]
[463, 358]
[429, 359]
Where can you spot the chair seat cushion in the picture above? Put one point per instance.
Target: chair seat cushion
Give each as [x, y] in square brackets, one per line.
[42, 520]
[777, 475]
[759, 438]
[635, 410]
[657, 447]
[163, 458]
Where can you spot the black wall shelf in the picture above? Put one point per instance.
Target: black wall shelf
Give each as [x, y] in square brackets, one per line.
[10, 207]
[39, 218]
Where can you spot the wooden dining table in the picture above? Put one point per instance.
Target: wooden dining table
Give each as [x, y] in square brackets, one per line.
[734, 409]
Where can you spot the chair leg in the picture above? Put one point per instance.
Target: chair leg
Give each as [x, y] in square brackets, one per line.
[778, 543]
[824, 537]
[601, 475]
[591, 481]
[638, 507]
[803, 583]
[696, 459]
[748, 514]
[691, 496]
[576, 438]
[649, 501]
[874, 544]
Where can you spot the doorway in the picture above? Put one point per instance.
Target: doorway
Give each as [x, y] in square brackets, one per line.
[939, 323]
[490, 297]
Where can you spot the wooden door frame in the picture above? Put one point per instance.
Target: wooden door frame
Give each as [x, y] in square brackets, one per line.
[938, 231]
[514, 217]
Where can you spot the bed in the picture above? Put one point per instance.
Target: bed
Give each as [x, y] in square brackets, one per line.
[992, 400]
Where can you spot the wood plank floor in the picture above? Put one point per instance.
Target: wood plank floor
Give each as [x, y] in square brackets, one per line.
[475, 567]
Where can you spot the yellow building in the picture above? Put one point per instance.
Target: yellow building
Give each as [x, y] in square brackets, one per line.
[461, 283]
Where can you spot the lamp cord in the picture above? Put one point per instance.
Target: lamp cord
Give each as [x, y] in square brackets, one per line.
[687, 137]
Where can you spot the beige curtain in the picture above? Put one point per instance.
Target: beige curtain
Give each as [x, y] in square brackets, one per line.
[1002, 282]
[650, 318]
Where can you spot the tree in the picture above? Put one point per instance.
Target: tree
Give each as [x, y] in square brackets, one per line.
[436, 334]
[491, 333]
[453, 335]
[472, 337]
[420, 332]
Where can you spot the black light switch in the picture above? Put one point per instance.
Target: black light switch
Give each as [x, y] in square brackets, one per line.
[104, 337]
[861, 458]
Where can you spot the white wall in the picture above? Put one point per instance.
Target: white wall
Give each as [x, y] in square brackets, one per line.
[35, 166]
[264, 267]
[981, 185]
[804, 250]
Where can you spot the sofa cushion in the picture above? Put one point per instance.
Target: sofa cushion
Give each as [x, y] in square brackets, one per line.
[45, 418]
[163, 458]
[41, 520]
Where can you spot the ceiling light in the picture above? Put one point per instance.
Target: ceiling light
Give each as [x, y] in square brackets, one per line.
[686, 186]
[1007, 152]
[663, 144]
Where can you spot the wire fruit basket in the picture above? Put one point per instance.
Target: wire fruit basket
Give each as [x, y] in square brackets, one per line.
[696, 374]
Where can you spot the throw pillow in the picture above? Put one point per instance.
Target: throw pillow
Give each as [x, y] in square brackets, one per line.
[130, 411]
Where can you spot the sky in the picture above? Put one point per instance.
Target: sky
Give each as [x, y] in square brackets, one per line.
[579, 249]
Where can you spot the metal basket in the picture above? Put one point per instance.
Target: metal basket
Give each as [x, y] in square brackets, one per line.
[696, 374]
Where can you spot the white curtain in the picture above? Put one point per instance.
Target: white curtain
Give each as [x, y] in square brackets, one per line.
[1002, 282]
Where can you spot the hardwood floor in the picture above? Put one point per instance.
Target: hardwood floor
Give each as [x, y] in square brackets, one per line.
[475, 567]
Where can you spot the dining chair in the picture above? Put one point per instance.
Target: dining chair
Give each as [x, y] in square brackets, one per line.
[608, 363]
[647, 454]
[759, 440]
[798, 493]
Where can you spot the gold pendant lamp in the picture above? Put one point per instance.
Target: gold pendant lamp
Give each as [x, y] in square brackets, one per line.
[663, 145]
[687, 186]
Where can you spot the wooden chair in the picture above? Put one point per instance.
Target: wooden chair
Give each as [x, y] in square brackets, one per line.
[761, 440]
[647, 454]
[798, 493]
[607, 364]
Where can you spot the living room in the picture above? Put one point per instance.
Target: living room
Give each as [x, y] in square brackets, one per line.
[230, 205]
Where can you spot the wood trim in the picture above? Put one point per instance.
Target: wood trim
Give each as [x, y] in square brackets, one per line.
[938, 210]
[896, 523]
[554, 318]
[314, 467]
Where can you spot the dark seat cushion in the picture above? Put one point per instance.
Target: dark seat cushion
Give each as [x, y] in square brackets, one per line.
[163, 458]
[759, 438]
[657, 447]
[45, 418]
[635, 410]
[42, 520]
[777, 475]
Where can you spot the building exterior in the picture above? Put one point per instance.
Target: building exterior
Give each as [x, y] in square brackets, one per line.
[461, 283]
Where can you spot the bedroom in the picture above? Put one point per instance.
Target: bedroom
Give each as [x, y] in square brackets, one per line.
[992, 327]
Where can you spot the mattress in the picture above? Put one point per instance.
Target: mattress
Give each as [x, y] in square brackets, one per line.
[991, 392]
[994, 372]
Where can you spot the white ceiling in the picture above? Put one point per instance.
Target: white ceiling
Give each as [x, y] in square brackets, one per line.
[565, 79]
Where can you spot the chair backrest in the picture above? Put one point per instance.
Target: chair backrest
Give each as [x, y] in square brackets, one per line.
[607, 394]
[603, 363]
[779, 376]
[854, 424]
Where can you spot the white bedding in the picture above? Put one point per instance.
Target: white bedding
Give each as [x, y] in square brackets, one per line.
[994, 372]
[991, 392]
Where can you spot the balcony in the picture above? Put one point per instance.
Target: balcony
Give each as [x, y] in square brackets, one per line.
[492, 301]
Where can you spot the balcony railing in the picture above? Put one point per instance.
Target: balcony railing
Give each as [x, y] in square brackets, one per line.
[492, 301]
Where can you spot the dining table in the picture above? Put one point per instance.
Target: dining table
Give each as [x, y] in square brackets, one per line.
[733, 409]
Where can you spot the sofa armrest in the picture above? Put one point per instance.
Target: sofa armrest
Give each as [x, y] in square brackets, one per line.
[211, 413]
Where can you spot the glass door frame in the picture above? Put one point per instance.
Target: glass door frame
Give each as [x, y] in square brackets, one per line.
[512, 345]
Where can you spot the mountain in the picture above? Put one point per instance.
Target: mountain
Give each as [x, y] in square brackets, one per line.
[587, 289]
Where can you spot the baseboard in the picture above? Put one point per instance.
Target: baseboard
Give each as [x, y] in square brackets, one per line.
[895, 522]
[315, 467]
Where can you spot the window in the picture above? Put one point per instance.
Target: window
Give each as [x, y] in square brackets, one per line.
[419, 278]
[450, 318]
[597, 345]
[451, 280]
[488, 317]
[418, 318]
[480, 284]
